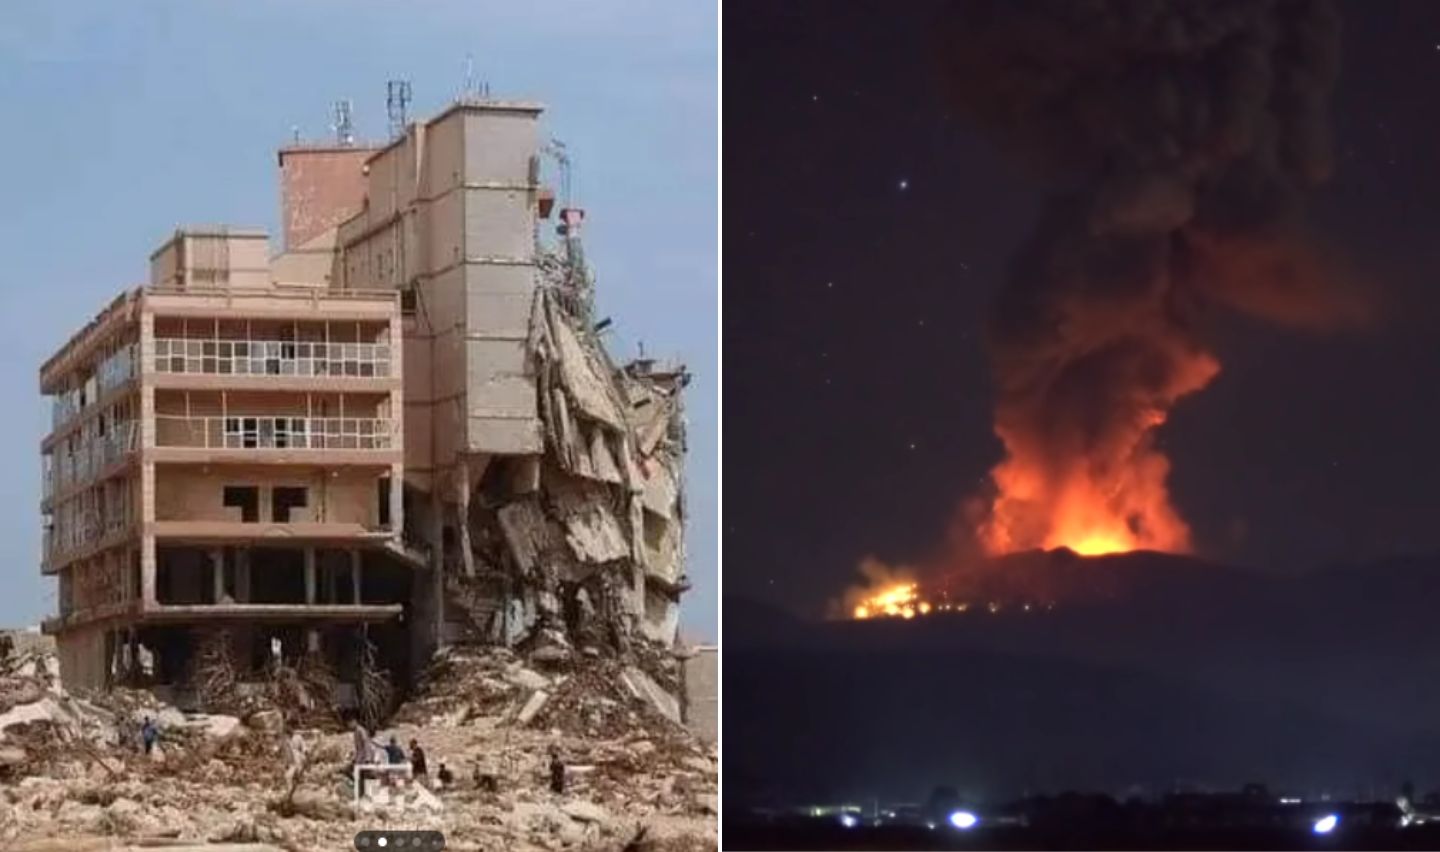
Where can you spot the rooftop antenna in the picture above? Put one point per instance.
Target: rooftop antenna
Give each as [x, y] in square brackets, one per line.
[561, 155]
[295, 133]
[344, 125]
[473, 88]
[397, 98]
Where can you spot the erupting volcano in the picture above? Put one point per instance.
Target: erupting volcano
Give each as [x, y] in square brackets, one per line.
[1179, 140]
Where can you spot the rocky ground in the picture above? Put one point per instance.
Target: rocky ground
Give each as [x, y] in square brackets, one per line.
[70, 772]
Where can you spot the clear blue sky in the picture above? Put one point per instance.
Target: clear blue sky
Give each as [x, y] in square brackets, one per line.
[125, 120]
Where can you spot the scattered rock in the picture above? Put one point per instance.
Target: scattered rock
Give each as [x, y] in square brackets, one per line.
[527, 679]
[214, 726]
[626, 765]
[699, 764]
[266, 721]
[642, 686]
[585, 811]
[532, 706]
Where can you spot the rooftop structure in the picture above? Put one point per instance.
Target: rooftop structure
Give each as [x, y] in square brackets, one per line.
[399, 432]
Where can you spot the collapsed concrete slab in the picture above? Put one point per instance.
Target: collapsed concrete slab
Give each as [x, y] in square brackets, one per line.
[642, 686]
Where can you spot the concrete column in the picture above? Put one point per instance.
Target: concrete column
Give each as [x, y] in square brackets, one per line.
[355, 575]
[462, 511]
[436, 534]
[312, 637]
[242, 575]
[397, 498]
[217, 573]
[147, 572]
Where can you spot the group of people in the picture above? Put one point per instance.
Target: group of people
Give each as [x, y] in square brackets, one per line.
[370, 752]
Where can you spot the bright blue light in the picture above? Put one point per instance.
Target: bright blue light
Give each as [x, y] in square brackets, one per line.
[1326, 824]
[849, 820]
[963, 820]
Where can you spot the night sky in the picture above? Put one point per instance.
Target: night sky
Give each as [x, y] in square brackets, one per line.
[867, 230]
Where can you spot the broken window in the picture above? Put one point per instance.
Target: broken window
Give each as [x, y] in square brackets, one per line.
[287, 498]
[242, 433]
[246, 498]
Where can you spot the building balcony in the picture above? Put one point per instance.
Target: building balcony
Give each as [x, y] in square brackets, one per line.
[276, 439]
[246, 432]
[302, 359]
[63, 544]
[94, 459]
[115, 371]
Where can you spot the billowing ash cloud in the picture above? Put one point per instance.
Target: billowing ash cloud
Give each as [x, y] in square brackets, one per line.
[1180, 139]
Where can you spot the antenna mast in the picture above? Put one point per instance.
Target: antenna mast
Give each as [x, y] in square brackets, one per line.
[397, 98]
[344, 124]
[474, 89]
[561, 155]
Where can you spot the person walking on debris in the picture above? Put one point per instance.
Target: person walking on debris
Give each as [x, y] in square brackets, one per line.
[364, 750]
[294, 748]
[418, 769]
[485, 779]
[393, 752]
[444, 776]
[149, 733]
[362, 745]
[557, 772]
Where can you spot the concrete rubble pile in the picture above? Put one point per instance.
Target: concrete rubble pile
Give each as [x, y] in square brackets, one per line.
[593, 542]
[73, 768]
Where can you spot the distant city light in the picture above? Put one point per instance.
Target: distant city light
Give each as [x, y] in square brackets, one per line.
[963, 820]
[1286, 800]
[1326, 824]
[849, 820]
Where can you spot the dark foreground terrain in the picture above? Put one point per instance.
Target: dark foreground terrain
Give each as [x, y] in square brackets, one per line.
[815, 835]
[1151, 674]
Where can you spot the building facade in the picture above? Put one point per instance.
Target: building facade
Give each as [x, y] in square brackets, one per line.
[402, 430]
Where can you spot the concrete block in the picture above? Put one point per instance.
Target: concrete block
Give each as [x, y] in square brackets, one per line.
[642, 686]
[532, 706]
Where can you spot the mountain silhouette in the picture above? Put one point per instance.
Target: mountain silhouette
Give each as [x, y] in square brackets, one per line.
[1151, 670]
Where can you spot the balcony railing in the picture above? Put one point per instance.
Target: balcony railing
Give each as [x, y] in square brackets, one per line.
[94, 456]
[272, 358]
[66, 406]
[81, 530]
[275, 433]
[111, 373]
[116, 370]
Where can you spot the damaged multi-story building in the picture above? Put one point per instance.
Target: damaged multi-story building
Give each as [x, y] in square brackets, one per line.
[401, 431]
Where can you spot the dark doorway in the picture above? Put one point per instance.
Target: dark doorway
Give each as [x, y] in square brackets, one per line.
[384, 492]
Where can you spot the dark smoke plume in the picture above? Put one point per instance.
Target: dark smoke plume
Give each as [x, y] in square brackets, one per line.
[1180, 140]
